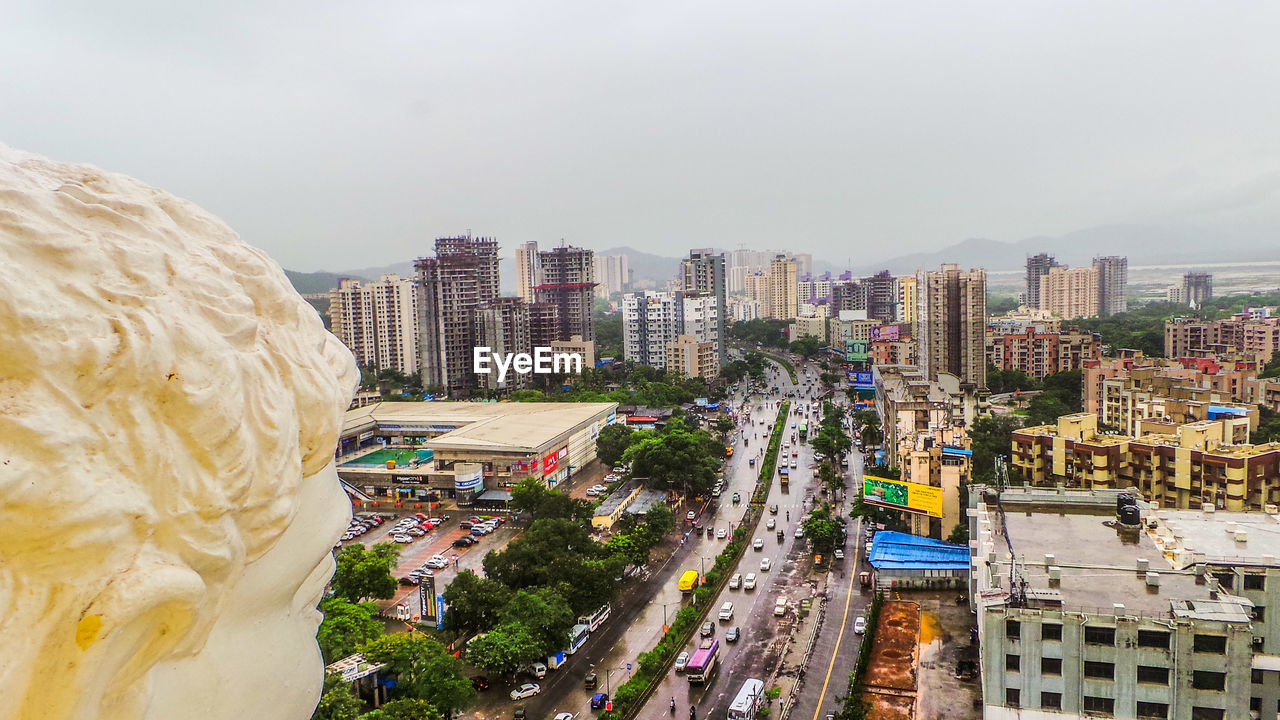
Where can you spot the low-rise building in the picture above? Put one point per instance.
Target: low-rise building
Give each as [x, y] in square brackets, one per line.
[462, 450]
[1177, 466]
[1093, 604]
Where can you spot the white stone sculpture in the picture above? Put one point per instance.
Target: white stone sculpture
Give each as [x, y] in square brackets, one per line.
[169, 408]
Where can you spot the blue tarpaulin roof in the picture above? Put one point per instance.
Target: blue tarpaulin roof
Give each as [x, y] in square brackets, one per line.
[893, 550]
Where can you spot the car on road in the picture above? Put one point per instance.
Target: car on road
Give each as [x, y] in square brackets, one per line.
[860, 625]
[403, 538]
[839, 554]
[733, 634]
[681, 660]
[708, 629]
[720, 533]
[758, 544]
[526, 690]
[735, 582]
[765, 564]
[599, 700]
[480, 683]
[773, 509]
[438, 562]
[770, 524]
[749, 583]
[690, 516]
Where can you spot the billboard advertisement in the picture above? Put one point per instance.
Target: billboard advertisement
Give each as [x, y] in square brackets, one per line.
[550, 463]
[855, 351]
[901, 495]
[884, 332]
[427, 593]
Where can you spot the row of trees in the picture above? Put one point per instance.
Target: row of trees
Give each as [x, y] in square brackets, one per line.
[676, 457]
[535, 588]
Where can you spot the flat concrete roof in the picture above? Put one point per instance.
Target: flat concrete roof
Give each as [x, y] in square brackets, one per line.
[1098, 559]
[498, 427]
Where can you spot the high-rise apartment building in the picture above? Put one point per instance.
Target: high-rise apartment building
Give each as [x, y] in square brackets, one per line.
[567, 283]
[452, 285]
[378, 322]
[703, 272]
[882, 297]
[951, 321]
[1037, 267]
[1070, 292]
[783, 278]
[613, 275]
[1196, 287]
[502, 325]
[526, 270]
[1113, 282]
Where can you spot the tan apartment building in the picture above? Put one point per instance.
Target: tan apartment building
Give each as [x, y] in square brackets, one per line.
[1040, 353]
[1209, 461]
[1070, 292]
[951, 323]
[691, 357]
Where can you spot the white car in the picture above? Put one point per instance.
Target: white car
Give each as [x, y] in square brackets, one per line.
[735, 582]
[765, 564]
[860, 625]
[526, 690]
[750, 582]
[403, 538]
[438, 562]
[770, 524]
[758, 544]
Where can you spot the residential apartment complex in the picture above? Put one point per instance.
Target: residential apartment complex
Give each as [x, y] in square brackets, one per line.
[1040, 353]
[951, 321]
[1179, 466]
[378, 322]
[1094, 604]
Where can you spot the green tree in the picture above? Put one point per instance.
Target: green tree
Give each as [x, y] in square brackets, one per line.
[612, 442]
[338, 702]
[424, 670]
[365, 573]
[506, 649]
[346, 626]
[404, 709]
[475, 603]
[546, 615]
[807, 347]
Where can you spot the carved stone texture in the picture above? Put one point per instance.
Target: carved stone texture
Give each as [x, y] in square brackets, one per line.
[169, 408]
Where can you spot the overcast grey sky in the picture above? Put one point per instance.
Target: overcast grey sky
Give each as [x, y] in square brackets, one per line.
[343, 135]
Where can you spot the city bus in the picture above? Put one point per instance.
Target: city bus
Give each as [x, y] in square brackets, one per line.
[750, 698]
[804, 431]
[704, 661]
[595, 619]
[578, 637]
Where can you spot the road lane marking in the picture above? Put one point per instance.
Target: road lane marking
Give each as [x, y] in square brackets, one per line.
[848, 598]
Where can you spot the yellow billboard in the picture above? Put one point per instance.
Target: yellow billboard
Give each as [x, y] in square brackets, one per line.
[900, 495]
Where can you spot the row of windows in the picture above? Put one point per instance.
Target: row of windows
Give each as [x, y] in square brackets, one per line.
[1200, 679]
[1094, 635]
[1107, 706]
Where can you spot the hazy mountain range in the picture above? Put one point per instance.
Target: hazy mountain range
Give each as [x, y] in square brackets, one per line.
[1142, 244]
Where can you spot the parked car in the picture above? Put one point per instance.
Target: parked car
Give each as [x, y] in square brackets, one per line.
[526, 690]
[681, 661]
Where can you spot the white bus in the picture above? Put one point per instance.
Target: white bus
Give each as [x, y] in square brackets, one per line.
[750, 699]
[578, 637]
[595, 619]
